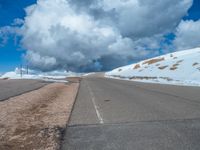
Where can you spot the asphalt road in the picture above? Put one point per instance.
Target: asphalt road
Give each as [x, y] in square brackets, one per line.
[112, 114]
[11, 88]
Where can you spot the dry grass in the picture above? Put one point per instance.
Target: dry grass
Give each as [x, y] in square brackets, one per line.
[162, 67]
[4, 79]
[150, 78]
[178, 62]
[137, 66]
[174, 67]
[142, 78]
[195, 64]
[166, 78]
[73, 79]
[152, 61]
[36, 120]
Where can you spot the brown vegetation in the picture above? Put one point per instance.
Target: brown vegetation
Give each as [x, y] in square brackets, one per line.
[179, 61]
[149, 78]
[73, 79]
[136, 66]
[162, 67]
[152, 61]
[175, 66]
[141, 78]
[36, 120]
[194, 64]
[4, 79]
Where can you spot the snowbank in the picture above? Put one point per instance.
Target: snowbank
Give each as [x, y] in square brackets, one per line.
[182, 68]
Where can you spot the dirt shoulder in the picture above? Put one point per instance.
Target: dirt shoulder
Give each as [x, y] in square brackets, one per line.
[36, 120]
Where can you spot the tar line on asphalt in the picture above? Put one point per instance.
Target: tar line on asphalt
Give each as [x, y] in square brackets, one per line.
[95, 105]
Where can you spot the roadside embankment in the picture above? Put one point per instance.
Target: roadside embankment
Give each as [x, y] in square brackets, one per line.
[36, 120]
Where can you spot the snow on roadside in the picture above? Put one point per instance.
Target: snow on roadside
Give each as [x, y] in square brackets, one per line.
[179, 68]
[53, 76]
[88, 74]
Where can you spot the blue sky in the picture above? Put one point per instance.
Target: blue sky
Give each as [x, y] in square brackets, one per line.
[194, 12]
[11, 53]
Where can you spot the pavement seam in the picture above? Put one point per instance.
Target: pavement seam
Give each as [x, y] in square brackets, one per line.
[95, 105]
[133, 123]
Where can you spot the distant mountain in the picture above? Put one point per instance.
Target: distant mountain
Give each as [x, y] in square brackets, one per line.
[182, 67]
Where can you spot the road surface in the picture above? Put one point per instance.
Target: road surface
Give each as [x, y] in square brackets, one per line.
[10, 88]
[113, 114]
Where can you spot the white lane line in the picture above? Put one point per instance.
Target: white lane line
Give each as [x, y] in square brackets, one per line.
[95, 105]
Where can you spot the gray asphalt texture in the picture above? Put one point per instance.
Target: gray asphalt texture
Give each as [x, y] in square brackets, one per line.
[112, 114]
[11, 88]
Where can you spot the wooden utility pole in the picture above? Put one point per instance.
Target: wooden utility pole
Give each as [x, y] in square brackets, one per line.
[27, 70]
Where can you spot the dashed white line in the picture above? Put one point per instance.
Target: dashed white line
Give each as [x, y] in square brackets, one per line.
[95, 105]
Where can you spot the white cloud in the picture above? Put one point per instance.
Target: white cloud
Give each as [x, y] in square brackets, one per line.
[187, 35]
[18, 22]
[142, 18]
[52, 29]
[96, 34]
[41, 61]
[7, 31]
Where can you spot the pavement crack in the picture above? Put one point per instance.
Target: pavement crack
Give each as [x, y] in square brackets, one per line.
[136, 122]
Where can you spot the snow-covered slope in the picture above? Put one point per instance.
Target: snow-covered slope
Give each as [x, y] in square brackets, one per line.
[182, 67]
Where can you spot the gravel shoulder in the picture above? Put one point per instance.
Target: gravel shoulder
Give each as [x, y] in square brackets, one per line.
[37, 120]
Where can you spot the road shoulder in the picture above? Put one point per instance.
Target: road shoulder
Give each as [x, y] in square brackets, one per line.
[37, 119]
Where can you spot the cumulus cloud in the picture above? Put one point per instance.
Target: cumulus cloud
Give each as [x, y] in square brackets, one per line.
[94, 35]
[52, 29]
[187, 35]
[41, 61]
[142, 18]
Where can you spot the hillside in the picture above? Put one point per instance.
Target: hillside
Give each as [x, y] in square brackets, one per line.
[182, 67]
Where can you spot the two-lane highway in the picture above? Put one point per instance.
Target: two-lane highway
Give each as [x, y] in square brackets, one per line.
[123, 115]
